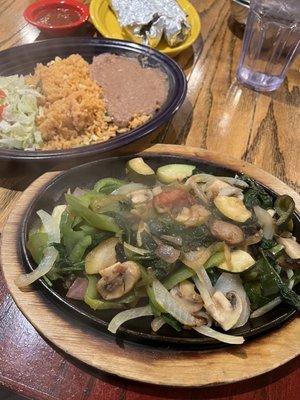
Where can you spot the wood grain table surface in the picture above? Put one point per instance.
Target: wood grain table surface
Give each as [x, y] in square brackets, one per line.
[218, 114]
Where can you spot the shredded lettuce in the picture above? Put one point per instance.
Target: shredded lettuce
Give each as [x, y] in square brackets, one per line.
[17, 123]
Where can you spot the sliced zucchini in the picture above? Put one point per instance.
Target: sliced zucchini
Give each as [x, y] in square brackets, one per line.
[102, 256]
[233, 208]
[240, 261]
[174, 172]
[138, 171]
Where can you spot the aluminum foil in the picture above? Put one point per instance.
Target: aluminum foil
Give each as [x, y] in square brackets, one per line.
[150, 20]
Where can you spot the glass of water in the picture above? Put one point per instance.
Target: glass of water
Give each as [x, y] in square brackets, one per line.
[271, 43]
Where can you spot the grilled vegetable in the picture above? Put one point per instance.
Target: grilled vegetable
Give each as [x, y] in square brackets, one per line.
[174, 172]
[284, 206]
[255, 195]
[138, 171]
[291, 247]
[233, 208]
[102, 256]
[103, 222]
[108, 185]
[36, 244]
[194, 252]
[240, 261]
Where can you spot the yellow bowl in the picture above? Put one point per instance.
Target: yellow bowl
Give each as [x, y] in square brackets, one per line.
[107, 24]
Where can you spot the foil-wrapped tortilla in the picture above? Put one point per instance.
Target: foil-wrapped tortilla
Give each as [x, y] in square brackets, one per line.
[150, 20]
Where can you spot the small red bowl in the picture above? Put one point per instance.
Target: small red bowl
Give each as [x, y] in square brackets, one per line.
[77, 12]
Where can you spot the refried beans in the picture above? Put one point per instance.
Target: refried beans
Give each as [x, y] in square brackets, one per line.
[129, 89]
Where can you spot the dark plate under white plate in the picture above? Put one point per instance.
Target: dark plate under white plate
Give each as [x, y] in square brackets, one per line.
[137, 330]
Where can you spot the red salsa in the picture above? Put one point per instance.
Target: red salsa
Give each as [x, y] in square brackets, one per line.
[58, 16]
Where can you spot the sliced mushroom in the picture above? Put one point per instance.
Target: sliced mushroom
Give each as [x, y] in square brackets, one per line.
[291, 247]
[265, 221]
[140, 196]
[226, 232]
[226, 310]
[232, 191]
[167, 253]
[193, 216]
[118, 280]
[214, 186]
[253, 239]
[185, 294]
[232, 283]
[198, 189]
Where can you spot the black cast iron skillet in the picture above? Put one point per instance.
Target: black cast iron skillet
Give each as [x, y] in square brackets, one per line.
[137, 330]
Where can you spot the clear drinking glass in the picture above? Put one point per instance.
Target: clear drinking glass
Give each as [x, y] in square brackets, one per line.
[271, 43]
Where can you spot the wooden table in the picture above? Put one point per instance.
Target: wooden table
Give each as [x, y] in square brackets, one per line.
[218, 114]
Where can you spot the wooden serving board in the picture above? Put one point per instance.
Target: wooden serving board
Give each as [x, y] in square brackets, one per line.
[137, 362]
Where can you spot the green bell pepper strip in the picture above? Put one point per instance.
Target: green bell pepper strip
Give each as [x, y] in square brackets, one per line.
[133, 296]
[36, 244]
[108, 185]
[79, 249]
[103, 222]
[89, 230]
[156, 308]
[91, 296]
[69, 236]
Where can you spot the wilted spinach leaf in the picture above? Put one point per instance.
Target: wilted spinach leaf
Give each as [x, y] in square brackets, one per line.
[120, 253]
[256, 195]
[192, 238]
[256, 297]
[287, 294]
[160, 268]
